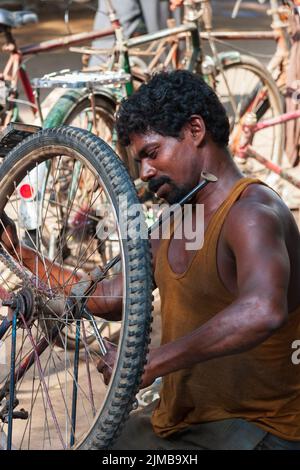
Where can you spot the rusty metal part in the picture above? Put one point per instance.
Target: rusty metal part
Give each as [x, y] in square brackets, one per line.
[23, 275]
[13, 134]
[250, 152]
[24, 301]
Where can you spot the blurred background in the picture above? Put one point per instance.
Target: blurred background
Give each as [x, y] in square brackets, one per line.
[61, 17]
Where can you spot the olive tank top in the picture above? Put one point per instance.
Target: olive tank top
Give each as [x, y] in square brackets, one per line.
[261, 385]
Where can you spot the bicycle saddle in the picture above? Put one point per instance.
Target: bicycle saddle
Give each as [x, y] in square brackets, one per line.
[14, 19]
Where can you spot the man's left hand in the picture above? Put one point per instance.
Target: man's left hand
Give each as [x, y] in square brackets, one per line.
[106, 364]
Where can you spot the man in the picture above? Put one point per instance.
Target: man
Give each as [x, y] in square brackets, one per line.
[231, 310]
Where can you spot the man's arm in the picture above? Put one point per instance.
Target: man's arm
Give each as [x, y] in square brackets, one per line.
[255, 237]
[106, 301]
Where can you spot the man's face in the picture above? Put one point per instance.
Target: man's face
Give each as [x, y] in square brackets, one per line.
[169, 165]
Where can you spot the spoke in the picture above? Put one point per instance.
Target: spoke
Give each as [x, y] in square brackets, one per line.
[69, 206]
[34, 400]
[79, 265]
[3, 294]
[31, 414]
[18, 218]
[51, 191]
[43, 381]
[88, 371]
[68, 239]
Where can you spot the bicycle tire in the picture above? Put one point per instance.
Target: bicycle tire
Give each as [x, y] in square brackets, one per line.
[273, 103]
[136, 260]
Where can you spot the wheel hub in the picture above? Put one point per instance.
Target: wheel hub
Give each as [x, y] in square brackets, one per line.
[24, 302]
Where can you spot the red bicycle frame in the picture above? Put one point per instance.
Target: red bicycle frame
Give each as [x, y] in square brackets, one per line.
[245, 150]
[14, 69]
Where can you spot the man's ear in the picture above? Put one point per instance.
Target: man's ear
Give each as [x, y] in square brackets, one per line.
[196, 129]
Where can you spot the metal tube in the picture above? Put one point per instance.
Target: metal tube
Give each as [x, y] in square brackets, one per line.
[75, 383]
[235, 35]
[53, 44]
[250, 152]
[277, 120]
[145, 38]
[12, 379]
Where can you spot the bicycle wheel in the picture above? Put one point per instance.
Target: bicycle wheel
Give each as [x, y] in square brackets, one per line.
[246, 86]
[60, 400]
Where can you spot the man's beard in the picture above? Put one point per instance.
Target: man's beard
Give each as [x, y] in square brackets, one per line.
[175, 194]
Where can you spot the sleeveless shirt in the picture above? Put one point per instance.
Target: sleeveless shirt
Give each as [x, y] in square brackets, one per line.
[261, 385]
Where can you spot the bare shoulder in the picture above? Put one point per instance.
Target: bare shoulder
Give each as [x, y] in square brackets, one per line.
[262, 195]
[260, 208]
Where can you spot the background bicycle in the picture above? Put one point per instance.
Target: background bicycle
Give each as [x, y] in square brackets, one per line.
[282, 63]
[231, 74]
[14, 79]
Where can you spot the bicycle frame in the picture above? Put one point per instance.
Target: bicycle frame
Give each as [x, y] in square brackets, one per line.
[15, 70]
[279, 25]
[244, 150]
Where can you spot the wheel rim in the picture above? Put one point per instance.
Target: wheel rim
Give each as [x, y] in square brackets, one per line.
[46, 390]
[241, 80]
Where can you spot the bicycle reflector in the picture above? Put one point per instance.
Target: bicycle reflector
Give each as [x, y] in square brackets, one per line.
[26, 191]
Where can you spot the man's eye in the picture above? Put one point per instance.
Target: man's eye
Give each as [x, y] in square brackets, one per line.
[152, 154]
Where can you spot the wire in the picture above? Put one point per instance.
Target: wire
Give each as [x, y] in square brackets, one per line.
[240, 49]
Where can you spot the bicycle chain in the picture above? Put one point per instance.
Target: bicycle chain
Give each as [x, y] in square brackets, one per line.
[40, 291]
[29, 281]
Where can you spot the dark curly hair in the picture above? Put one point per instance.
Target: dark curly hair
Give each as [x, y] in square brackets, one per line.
[166, 103]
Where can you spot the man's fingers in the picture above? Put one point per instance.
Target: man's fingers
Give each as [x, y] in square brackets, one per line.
[106, 376]
[101, 365]
[106, 363]
[105, 370]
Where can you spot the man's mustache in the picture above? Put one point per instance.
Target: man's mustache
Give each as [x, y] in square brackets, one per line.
[155, 183]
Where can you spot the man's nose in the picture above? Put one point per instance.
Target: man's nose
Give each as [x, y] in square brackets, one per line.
[147, 171]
